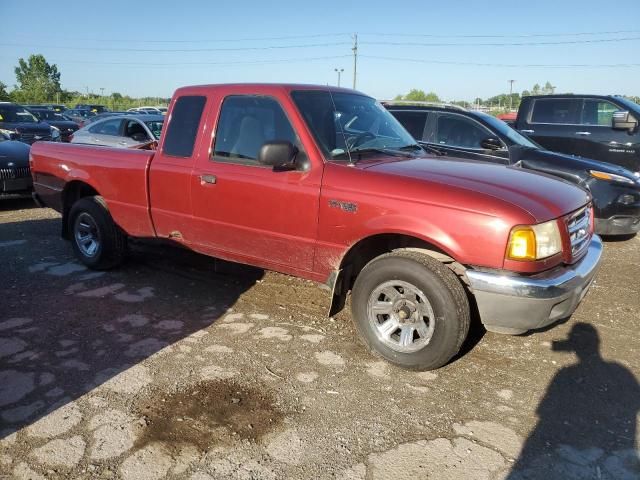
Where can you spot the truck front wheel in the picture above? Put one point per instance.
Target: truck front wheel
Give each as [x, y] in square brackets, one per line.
[97, 241]
[410, 309]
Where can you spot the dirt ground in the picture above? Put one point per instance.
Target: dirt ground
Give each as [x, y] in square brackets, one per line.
[178, 366]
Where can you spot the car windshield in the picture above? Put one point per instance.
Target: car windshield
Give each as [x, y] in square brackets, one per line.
[348, 125]
[16, 114]
[513, 135]
[155, 127]
[632, 106]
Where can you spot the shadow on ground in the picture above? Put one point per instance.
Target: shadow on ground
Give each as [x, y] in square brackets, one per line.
[586, 420]
[66, 330]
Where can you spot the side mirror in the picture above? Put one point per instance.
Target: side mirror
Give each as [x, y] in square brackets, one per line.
[278, 154]
[491, 143]
[623, 120]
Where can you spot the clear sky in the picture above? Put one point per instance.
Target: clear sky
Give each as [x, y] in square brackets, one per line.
[150, 48]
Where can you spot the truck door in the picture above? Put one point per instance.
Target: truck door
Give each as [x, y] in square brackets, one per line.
[554, 123]
[598, 140]
[170, 172]
[247, 211]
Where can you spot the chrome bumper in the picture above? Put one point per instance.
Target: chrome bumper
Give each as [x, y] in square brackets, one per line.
[515, 304]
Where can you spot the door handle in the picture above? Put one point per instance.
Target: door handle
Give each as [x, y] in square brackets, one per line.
[210, 179]
[527, 131]
[583, 133]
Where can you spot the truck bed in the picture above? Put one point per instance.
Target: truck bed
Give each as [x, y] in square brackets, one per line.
[120, 175]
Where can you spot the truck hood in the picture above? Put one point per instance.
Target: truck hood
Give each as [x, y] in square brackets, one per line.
[27, 127]
[543, 196]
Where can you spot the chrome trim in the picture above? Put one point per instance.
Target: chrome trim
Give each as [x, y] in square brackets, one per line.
[517, 303]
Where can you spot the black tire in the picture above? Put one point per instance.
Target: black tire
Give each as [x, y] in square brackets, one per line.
[443, 291]
[111, 242]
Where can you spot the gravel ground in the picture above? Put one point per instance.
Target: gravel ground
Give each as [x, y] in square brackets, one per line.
[178, 366]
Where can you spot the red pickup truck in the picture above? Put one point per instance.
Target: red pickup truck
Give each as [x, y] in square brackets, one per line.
[324, 184]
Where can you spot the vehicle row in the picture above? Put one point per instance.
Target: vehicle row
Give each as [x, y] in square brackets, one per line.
[607, 164]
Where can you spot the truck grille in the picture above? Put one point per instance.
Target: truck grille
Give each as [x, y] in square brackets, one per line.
[579, 227]
[13, 173]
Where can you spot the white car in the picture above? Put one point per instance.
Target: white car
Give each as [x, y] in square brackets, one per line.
[125, 131]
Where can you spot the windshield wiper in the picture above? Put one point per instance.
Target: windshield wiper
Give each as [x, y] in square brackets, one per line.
[385, 151]
[431, 149]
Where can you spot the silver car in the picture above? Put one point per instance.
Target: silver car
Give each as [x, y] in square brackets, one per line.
[130, 131]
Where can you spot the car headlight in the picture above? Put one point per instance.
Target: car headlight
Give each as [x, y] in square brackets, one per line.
[611, 177]
[55, 134]
[534, 242]
[8, 134]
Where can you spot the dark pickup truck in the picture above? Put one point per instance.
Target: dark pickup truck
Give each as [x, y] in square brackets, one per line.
[602, 127]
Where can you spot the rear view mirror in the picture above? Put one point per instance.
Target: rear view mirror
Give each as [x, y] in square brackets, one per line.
[278, 154]
[623, 120]
[491, 143]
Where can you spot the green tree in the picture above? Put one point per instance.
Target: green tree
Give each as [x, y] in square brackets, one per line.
[4, 95]
[416, 95]
[38, 81]
[536, 90]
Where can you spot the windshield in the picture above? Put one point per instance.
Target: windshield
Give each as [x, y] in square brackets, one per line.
[16, 114]
[155, 127]
[632, 106]
[513, 135]
[348, 124]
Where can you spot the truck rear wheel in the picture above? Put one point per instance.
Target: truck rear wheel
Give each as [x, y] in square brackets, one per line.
[97, 241]
[410, 309]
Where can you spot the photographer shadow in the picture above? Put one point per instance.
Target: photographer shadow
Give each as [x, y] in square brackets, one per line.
[587, 419]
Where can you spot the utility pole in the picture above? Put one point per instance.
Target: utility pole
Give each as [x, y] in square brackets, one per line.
[87, 91]
[101, 92]
[355, 59]
[511, 94]
[339, 72]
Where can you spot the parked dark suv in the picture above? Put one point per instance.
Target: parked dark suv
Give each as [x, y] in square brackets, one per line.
[18, 123]
[475, 135]
[92, 107]
[603, 127]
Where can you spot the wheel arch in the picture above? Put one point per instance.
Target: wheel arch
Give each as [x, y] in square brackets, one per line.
[72, 192]
[363, 251]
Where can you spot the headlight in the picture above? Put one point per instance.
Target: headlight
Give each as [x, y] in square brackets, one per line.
[55, 134]
[534, 242]
[612, 177]
[8, 134]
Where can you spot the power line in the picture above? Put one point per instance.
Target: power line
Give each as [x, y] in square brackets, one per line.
[527, 35]
[507, 65]
[506, 44]
[205, 40]
[200, 64]
[178, 50]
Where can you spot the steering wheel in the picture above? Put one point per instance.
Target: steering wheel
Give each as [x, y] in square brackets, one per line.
[360, 139]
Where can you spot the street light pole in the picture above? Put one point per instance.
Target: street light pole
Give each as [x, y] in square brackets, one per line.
[339, 72]
[511, 94]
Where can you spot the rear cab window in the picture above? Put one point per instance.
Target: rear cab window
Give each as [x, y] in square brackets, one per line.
[558, 111]
[182, 130]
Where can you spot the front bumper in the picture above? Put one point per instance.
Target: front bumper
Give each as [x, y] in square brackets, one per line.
[617, 225]
[515, 304]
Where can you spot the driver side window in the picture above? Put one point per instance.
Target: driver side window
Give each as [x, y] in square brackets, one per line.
[458, 131]
[246, 123]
